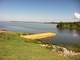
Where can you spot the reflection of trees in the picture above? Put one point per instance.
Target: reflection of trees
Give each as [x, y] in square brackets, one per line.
[61, 30]
[78, 32]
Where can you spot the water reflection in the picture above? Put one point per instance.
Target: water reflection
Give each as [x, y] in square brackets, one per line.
[1, 26]
[74, 32]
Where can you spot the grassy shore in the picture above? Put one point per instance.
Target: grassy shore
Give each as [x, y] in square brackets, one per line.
[17, 48]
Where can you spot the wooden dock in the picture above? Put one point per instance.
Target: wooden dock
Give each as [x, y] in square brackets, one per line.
[39, 36]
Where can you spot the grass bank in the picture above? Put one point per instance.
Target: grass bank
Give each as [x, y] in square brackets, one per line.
[17, 48]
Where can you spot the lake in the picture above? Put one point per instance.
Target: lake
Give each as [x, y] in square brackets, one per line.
[64, 36]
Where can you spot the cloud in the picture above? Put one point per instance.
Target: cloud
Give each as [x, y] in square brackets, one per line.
[77, 15]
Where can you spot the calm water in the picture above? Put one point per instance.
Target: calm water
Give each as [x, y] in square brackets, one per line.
[64, 36]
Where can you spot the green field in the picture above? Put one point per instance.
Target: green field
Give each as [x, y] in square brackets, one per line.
[17, 48]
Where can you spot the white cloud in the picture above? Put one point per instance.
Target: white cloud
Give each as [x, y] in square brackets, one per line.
[77, 15]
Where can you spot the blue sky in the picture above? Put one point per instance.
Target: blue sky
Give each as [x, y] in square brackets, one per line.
[38, 10]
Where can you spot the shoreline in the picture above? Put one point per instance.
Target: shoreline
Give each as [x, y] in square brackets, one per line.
[51, 46]
[61, 50]
[20, 33]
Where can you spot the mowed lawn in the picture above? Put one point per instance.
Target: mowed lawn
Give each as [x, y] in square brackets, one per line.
[15, 48]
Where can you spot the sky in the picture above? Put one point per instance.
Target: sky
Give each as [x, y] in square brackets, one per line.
[39, 10]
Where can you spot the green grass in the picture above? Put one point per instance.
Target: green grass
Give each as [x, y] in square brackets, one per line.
[15, 48]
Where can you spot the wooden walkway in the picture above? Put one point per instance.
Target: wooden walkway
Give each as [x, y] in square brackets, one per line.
[39, 36]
